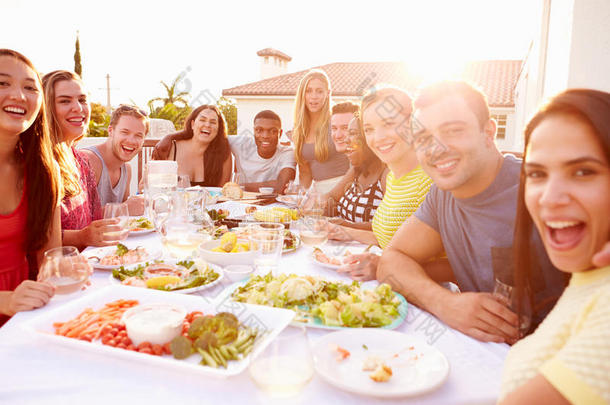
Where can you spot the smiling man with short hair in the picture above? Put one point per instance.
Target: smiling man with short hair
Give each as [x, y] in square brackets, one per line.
[126, 131]
[259, 159]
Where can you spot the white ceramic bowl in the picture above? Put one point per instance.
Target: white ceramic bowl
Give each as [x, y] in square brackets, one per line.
[154, 323]
[266, 190]
[238, 272]
[224, 259]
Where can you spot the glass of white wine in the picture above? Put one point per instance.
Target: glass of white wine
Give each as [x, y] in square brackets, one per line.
[313, 230]
[65, 268]
[181, 238]
[121, 212]
[286, 365]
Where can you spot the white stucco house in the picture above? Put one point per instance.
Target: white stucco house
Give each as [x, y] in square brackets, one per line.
[277, 88]
[570, 50]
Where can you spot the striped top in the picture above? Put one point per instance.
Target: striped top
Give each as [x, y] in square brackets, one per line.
[401, 199]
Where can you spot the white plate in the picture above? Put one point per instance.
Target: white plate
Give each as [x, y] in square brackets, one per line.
[140, 232]
[340, 257]
[153, 254]
[273, 320]
[290, 200]
[215, 267]
[419, 368]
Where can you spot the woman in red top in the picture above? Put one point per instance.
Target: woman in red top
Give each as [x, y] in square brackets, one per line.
[29, 214]
[68, 113]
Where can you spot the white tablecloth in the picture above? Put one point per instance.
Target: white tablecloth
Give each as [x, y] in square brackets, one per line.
[33, 371]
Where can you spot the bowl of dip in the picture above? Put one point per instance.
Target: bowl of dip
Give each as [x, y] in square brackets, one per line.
[154, 323]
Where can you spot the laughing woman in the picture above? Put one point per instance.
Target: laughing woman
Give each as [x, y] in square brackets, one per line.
[201, 149]
[565, 193]
[68, 114]
[29, 212]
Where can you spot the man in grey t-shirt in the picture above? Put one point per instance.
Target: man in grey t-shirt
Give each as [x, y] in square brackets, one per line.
[469, 214]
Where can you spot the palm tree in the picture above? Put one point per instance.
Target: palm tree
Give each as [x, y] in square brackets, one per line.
[172, 96]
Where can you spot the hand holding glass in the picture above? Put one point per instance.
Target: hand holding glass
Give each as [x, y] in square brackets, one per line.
[119, 211]
[65, 268]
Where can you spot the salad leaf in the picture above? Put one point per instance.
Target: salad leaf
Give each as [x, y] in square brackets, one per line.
[334, 303]
[121, 250]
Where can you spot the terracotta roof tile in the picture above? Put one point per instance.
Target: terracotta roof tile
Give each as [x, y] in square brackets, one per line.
[495, 77]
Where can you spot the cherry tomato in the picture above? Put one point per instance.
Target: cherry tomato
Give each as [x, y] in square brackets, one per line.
[166, 348]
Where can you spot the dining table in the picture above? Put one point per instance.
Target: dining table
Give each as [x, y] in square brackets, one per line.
[34, 370]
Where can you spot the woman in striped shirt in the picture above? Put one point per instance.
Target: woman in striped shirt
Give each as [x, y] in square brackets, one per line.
[385, 114]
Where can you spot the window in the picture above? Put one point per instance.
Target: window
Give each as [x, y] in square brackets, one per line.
[501, 121]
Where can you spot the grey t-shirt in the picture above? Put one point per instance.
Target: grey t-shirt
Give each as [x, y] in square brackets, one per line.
[477, 233]
[336, 165]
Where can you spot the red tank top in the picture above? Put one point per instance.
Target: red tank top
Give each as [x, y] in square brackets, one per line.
[13, 261]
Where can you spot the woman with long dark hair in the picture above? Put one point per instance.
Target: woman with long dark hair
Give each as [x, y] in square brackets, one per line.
[201, 148]
[29, 213]
[565, 193]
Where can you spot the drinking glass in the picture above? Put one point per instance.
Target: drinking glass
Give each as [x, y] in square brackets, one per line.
[121, 212]
[267, 239]
[239, 178]
[313, 230]
[65, 268]
[505, 294]
[286, 365]
[184, 181]
[181, 238]
[292, 187]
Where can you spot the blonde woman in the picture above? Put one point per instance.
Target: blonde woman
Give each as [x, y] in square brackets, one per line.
[68, 114]
[315, 152]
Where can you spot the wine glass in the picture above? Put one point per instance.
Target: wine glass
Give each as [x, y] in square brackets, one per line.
[181, 238]
[286, 365]
[65, 268]
[313, 230]
[121, 212]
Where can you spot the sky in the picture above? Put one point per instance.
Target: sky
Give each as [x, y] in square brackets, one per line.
[214, 44]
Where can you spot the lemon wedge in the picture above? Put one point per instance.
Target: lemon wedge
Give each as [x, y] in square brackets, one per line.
[162, 281]
[228, 241]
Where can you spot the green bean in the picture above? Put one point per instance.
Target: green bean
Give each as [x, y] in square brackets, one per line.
[248, 349]
[225, 352]
[220, 357]
[243, 348]
[241, 338]
[208, 358]
[216, 357]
